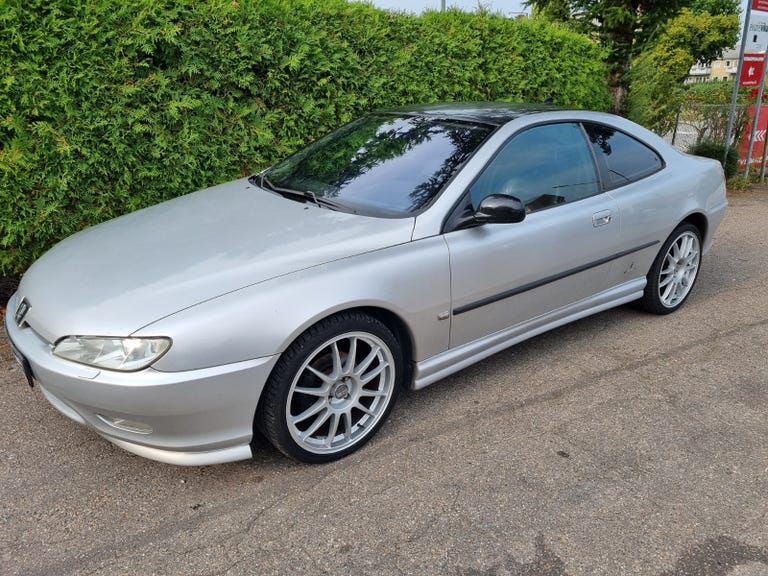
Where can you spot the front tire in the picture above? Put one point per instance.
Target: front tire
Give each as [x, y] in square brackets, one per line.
[332, 389]
[674, 271]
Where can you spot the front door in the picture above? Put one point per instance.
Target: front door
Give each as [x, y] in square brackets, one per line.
[506, 274]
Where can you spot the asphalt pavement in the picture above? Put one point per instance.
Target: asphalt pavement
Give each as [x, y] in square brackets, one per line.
[621, 444]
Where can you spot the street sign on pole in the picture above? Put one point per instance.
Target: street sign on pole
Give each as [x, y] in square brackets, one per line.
[760, 5]
[752, 69]
[735, 95]
[756, 119]
[756, 35]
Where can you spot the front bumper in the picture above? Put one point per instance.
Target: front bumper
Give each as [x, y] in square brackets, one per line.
[193, 418]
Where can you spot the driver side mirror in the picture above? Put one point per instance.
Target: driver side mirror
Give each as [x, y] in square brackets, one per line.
[499, 209]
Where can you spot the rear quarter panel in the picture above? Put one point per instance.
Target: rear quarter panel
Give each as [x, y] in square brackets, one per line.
[650, 209]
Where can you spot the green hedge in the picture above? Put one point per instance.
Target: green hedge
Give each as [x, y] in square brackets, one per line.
[107, 106]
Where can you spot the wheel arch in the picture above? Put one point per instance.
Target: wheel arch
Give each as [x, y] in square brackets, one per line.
[401, 331]
[700, 221]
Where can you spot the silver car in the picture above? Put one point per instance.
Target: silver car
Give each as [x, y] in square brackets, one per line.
[393, 252]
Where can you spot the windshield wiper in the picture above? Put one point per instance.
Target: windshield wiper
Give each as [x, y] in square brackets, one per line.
[328, 203]
[300, 195]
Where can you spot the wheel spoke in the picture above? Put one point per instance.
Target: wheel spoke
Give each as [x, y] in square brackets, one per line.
[669, 290]
[678, 287]
[336, 359]
[309, 412]
[349, 365]
[321, 391]
[332, 430]
[676, 250]
[667, 279]
[347, 417]
[319, 421]
[372, 393]
[363, 366]
[364, 409]
[327, 378]
[373, 373]
[687, 247]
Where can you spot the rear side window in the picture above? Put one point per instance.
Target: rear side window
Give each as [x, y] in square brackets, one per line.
[621, 158]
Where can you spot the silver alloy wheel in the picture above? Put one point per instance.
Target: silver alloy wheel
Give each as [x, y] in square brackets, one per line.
[340, 392]
[679, 269]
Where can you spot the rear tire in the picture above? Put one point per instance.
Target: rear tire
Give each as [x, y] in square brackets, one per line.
[332, 389]
[674, 272]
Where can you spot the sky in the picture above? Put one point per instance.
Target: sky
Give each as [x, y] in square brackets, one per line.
[510, 8]
[506, 7]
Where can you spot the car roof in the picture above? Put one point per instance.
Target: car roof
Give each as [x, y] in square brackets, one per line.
[493, 113]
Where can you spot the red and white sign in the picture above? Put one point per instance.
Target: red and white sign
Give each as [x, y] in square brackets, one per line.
[752, 69]
[757, 148]
[761, 5]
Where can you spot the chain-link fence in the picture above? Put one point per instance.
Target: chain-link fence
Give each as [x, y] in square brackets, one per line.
[697, 123]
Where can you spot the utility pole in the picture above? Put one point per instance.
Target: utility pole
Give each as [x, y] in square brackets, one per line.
[735, 95]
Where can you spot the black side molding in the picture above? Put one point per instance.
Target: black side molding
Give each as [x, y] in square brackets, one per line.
[538, 283]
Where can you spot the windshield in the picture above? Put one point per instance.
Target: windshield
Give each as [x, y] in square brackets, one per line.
[381, 164]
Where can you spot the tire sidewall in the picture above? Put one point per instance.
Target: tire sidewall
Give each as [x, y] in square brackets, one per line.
[272, 413]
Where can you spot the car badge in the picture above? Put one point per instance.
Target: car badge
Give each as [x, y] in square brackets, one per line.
[21, 312]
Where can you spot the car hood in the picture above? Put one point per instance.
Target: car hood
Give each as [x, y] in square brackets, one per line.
[119, 276]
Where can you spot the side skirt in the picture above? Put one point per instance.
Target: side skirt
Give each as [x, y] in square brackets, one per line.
[454, 359]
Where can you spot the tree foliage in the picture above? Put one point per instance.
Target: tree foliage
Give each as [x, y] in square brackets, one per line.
[626, 28]
[106, 107]
[658, 72]
[716, 7]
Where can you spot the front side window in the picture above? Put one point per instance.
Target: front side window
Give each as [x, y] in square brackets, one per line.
[624, 159]
[542, 166]
[382, 164]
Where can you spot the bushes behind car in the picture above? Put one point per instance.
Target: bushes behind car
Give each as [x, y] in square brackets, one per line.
[107, 107]
[716, 150]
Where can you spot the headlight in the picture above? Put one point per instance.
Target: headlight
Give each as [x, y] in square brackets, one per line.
[123, 354]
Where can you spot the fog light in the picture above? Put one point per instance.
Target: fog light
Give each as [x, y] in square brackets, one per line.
[127, 425]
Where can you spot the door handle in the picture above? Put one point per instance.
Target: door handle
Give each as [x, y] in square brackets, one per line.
[601, 218]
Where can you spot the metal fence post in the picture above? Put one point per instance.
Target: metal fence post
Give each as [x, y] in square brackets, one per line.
[677, 123]
[735, 95]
